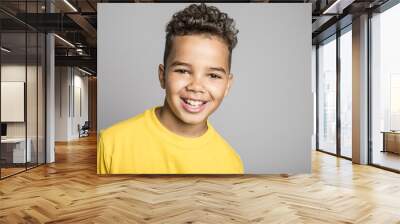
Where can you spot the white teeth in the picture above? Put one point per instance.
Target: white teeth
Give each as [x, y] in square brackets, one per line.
[195, 103]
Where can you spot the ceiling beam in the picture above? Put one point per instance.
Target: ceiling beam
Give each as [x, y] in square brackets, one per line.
[85, 61]
[84, 24]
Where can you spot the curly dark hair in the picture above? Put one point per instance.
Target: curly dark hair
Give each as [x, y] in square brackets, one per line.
[201, 19]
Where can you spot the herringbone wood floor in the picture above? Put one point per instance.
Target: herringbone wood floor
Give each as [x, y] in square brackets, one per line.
[69, 191]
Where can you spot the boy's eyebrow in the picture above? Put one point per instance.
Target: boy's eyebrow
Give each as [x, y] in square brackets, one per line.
[218, 69]
[176, 63]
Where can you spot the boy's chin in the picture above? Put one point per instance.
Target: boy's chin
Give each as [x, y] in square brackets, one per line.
[193, 120]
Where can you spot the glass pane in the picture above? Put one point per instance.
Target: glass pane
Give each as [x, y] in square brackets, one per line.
[13, 87]
[346, 93]
[314, 92]
[327, 96]
[41, 98]
[386, 89]
[31, 101]
[22, 88]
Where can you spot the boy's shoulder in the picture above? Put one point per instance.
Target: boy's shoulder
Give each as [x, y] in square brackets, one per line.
[124, 127]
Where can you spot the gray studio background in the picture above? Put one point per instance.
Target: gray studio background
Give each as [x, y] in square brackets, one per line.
[267, 117]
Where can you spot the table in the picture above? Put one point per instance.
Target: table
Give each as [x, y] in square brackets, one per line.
[16, 147]
[391, 141]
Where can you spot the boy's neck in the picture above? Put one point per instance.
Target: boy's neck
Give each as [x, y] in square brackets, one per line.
[175, 125]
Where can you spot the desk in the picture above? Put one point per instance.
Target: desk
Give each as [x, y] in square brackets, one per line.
[16, 147]
[391, 141]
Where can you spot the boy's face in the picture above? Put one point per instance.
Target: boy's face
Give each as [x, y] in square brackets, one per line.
[196, 77]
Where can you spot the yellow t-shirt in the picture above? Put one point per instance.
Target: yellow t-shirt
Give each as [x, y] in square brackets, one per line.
[142, 145]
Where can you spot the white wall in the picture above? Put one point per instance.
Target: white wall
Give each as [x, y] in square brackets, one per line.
[33, 127]
[62, 80]
[67, 116]
[17, 72]
[10, 73]
[80, 83]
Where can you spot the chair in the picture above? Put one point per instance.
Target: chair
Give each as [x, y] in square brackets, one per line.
[84, 130]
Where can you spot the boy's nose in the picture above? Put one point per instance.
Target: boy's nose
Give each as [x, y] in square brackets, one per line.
[195, 85]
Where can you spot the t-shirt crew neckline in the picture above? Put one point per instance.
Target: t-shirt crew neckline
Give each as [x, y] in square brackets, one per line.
[193, 142]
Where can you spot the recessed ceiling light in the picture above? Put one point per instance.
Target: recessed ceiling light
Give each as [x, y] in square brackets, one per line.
[337, 7]
[70, 5]
[5, 50]
[64, 40]
[84, 71]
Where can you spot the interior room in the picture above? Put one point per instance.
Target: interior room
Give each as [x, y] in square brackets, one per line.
[51, 108]
[22, 104]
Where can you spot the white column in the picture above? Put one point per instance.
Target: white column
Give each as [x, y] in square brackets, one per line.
[50, 119]
[50, 93]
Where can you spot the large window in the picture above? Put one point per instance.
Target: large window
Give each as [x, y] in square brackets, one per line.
[327, 96]
[346, 93]
[385, 88]
[335, 74]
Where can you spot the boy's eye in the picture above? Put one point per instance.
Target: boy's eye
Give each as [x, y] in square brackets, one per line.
[214, 76]
[183, 71]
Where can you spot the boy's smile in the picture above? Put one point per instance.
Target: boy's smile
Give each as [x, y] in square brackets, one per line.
[193, 105]
[196, 79]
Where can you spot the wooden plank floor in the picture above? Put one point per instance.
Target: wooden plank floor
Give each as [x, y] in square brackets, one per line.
[10, 171]
[69, 191]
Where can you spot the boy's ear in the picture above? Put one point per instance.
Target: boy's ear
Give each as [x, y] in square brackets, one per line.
[161, 76]
[230, 82]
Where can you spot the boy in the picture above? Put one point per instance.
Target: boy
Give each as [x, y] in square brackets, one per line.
[177, 138]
